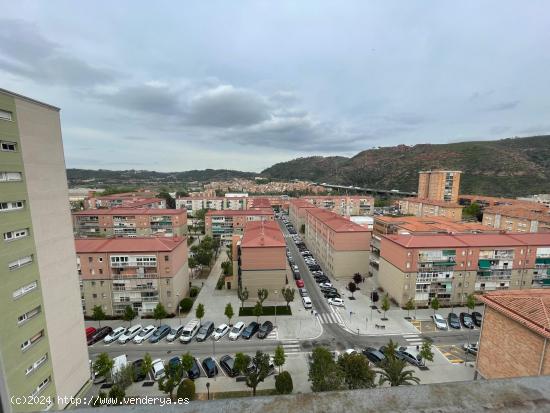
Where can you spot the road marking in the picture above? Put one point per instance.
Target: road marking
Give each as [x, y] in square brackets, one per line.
[274, 335]
[410, 335]
[219, 367]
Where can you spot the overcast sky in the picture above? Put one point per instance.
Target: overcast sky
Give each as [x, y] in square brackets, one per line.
[181, 85]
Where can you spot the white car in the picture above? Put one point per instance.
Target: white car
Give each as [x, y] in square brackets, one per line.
[326, 285]
[220, 331]
[115, 334]
[174, 333]
[236, 331]
[338, 302]
[130, 334]
[350, 351]
[144, 334]
[158, 369]
[439, 322]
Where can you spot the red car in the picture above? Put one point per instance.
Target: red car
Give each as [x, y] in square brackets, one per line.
[90, 331]
[300, 283]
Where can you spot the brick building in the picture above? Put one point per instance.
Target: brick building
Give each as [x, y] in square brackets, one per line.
[518, 218]
[228, 222]
[297, 212]
[345, 205]
[515, 335]
[140, 199]
[439, 185]
[422, 207]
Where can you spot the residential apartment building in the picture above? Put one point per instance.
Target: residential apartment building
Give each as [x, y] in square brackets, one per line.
[194, 204]
[138, 272]
[226, 223]
[341, 247]
[543, 199]
[518, 218]
[142, 199]
[129, 222]
[451, 266]
[345, 205]
[421, 207]
[439, 185]
[489, 201]
[39, 304]
[260, 259]
[297, 212]
[515, 335]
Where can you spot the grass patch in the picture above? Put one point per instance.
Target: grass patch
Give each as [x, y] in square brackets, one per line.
[268, 310]
[242, 393]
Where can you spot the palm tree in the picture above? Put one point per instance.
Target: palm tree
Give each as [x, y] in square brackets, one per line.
[393, 372]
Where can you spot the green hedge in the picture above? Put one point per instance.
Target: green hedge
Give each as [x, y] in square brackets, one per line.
[268, 310]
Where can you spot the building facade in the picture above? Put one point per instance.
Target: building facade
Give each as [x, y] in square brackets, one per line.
[40, 308]
[128, 222]
[515, 335]
[345, 205]
[341, 247]
[139, 272]
[421, 207]
[140, 199]
[297, 212]
[226, 223]
[439, 185]
[452, 266]
[517, 218]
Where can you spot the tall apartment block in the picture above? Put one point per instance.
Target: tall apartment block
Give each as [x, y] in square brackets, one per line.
[128, 222]
[42, 345]
[138, 272]
[226, 223]
[439, 185]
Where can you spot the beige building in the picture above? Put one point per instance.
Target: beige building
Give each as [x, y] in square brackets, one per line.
[439, 185]
[421, 207]
[518, 218]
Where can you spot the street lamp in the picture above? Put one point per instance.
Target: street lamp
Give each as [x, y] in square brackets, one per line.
[178, 304]
[208, 389]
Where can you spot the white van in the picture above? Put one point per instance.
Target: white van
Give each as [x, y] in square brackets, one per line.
[191, 329]
[307, 302]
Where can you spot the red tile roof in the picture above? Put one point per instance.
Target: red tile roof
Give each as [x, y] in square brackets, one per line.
[262, 234]
[127, 245]
[432, 224]
[528, 307]
[432, 202]
[261, 203]
[521, 212]
[131, 211]
[230, 212]
[336, 222]
[426, 241]
[301, 203]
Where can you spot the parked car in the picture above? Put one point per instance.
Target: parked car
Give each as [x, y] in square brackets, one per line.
[466, 320]
[265, 329]
[227, 363]
[220, 331]
[130, 334]
[90, 331]
[332, 294]
[325, 285]
[375, 356]
[300, 283]
[158, 369]
[338, 302]
[297, 276]
[439, 322]
[114, 335]
[295, 268]
[325, 290]
[209, 366]
[100, 334]
[454, 321]
[189, 331]
[410, 355]
[471, 348]
[236, 331]
[195, 371]
[160, 333]
[144, 334]
[303, 292]
[250, 330]
[137, 368]
[174, 362]
[307, 303]
[477, 317]
[206, 329]
[175, 333]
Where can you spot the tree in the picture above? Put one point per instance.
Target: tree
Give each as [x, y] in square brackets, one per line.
[472, 211]
[241, 362]
[243, 295]
[229, 312]
[199, 312]
[283, 383]
[103, 365]
[186, 390]
[116, 395]
[324, 373]
[98, 314]
[147, 365]
[262, 295]
[192, 263]
[186, 305]
[159, 313]
[385, 304]
[470, 302]
[170, 202]
[173, 373]
[426, 351]
[288, 295]
[357, 372]
[124, 377]
[357, 278]
[257, 372]
[390, 350]
[393, 372]
[280, 357]
[187, 361]
[409, 305]
[352, 287]
[434, 304]
[129, 314]
[182, 193]
[257, 311]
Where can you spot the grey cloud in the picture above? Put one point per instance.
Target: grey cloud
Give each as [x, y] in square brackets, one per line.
[499, 129]
[37, 58]
[503, 106]
[406, 119]
[144, 98]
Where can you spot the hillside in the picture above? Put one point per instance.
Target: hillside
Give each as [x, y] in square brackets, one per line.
[507, 167]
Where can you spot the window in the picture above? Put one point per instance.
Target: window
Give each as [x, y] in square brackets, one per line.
[94, 295]
[8, 146]
[103, 295]
[27, 343]
[20, 292]
[28, 315]
[100, 271]
[5, 115]
[93, 283]
[36, 365]
[17, 234]
[10, 176]
[11, 206]
[166, 258]
[101, 283]
[100, 259]
[41, 387]
[90, 259]
[20, 262]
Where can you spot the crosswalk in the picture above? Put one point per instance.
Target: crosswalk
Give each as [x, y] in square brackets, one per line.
[332, 317]
[292, 346]
[274, 335]
[413, 339]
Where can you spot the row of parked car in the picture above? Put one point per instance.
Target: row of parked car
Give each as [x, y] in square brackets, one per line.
[377, 355]
[455, 321]
[185, 333]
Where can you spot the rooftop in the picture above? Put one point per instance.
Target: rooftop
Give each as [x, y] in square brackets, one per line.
[536, 212]
[230, 212]
[432, 202]
[336, 222]
[261, 203]
[131, 211]
[262, 234]
[127, 245]
[28, 99]
[530, 308]
[414, 224]
[301, 203]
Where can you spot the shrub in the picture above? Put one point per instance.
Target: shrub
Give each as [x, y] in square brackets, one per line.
[194, 291]
[186, 304]
[186, 389]
[283, 383]
[220, 283]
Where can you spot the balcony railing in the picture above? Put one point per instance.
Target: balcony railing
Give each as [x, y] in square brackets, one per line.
[135, 276]
[133, 264]
[136, 288]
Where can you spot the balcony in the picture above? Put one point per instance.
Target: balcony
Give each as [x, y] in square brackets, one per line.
[135, 276]
[129, 288]
[129, 264]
